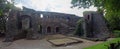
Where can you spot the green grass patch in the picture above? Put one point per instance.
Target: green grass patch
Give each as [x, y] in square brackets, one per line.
[103, 45]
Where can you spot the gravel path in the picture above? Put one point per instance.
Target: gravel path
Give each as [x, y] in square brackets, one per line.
[43, 44]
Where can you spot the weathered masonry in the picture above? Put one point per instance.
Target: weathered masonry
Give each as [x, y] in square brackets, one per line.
[95, 25]
[32, 24]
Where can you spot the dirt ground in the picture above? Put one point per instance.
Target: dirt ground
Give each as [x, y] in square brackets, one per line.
[43, 44]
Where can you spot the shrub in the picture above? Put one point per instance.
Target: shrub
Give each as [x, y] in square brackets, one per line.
[116, 33]
[79, 29]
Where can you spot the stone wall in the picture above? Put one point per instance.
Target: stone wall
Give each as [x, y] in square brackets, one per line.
[95, 26]
[29, 24]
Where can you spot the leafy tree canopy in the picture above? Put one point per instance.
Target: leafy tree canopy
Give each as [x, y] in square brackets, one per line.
[111, 9]
[111, 5]
[5, 7]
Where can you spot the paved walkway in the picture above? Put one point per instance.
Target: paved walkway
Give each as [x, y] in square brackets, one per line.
[43, 44]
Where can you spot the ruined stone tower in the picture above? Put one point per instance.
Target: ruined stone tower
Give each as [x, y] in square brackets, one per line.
[95, 25]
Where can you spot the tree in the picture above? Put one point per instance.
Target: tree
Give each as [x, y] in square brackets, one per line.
[108, 7]
[4, 10]
[79, 29]
[113, 14]
[87, 3]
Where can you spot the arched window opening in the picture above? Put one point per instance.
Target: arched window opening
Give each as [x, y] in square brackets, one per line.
[57, 29]
[24, 22]
[88, 17]
[40, 28]
[48, 29]
[41, 16]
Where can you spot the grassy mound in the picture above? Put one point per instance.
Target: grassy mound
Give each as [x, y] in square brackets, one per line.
[103, 45]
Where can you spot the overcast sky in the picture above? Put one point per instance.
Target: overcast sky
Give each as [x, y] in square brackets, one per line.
[62, 6]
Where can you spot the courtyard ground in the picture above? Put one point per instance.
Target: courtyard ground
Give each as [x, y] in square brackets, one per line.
[44, 44]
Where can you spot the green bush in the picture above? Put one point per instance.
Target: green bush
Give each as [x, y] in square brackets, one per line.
[116, 33]
[79, 29]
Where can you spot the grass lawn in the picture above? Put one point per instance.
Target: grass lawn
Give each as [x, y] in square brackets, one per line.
[103, 45]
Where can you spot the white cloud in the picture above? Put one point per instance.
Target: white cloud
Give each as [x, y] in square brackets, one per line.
[19, 5]
[62, 6]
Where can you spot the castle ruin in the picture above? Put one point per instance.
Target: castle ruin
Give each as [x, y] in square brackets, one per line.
[33, 24]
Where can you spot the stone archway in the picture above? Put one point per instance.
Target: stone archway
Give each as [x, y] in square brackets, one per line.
[48, 29]
[40, 28]
[57, 29]
[26, 22]
[24, 25]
